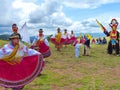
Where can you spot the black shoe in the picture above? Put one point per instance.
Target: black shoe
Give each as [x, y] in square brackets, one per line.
[39, 74]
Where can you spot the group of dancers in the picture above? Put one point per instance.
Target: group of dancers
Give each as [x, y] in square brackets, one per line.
[60, 39]
[19, 64]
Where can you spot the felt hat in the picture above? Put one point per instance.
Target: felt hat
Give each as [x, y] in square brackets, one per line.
[14, 35]
[40, 30]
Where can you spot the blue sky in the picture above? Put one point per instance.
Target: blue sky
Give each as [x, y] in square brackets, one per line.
[77, 15]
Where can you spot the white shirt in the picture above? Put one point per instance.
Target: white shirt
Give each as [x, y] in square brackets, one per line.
[22, 50]
[37, 38]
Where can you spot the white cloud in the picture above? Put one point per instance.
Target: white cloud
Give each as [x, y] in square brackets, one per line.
[59, 19]
[45, 11]
[85, 26]
[7, 14]
[49, 15]
[25, 8]
[87, 3]
[15, 11]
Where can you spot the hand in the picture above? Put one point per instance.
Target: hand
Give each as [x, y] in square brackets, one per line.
[117, 41]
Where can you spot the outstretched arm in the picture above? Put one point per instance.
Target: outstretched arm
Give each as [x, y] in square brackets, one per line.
[103, 28]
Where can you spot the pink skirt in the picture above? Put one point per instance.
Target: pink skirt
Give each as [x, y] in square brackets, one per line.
[62, 41]
[43, 49]
[70, 41]
[20, 74]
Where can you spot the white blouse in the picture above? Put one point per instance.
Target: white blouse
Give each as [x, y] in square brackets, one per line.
[22, 50]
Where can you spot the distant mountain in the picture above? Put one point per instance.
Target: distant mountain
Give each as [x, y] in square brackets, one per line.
[94, 35]
[5, 37]
[32, 38]
[47, 36]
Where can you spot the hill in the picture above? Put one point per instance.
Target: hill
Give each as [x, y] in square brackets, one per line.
[5, 37]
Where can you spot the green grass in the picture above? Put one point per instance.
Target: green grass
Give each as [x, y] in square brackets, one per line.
[63, 71]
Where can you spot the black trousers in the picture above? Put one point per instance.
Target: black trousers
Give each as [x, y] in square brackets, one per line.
[111, 48]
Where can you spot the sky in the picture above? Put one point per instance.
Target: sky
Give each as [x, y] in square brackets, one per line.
[77, 15]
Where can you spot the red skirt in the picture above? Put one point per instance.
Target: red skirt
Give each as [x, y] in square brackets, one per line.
[43, 49]
[62, 41]
[20, 74]
[70, 41]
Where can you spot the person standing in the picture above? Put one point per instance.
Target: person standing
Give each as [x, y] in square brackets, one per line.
[58, 40]
[113, 44]
[72, 37]
[67, 37]
[77, 45]
[41, 44]
[87, 38]
[15, 29]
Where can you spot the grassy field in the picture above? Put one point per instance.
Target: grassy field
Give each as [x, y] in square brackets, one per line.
[63, 71]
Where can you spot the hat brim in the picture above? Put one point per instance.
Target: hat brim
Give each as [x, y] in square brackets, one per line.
[14, 37]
